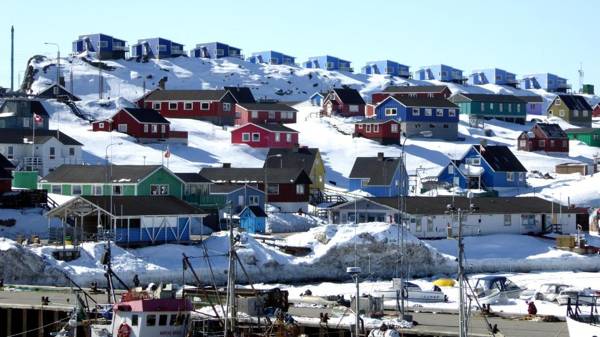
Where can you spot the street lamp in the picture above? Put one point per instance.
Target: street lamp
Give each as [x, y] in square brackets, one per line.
[57, 60]
[266, 171]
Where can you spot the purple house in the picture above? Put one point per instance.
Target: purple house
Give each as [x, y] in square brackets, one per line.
[534, 104]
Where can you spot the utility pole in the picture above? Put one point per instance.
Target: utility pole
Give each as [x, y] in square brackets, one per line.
[231, 305]
[462, 313]
[355, 273]
[12, 58]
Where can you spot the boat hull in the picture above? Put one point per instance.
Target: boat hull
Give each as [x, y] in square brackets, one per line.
[413, 295]
[582, 329]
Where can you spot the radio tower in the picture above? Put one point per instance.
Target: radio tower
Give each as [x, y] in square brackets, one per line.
[580, 71]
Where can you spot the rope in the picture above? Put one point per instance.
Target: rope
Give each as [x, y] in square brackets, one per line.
[39, 328]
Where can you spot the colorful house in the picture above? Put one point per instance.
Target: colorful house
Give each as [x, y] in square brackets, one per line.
[480, 107]
[272, 135]
[317, 98]
[491, 167]
[546, 81]
[157, 48]
[215, 50]
[58, 92]
[328, 63]
[417, 116]
[99, 180]
[384, 132]
[590, 136]
[18, 113]
[288, 188]
[379, 176]
[344, 102]
[134, 220]
[493, 76]
[237, 196]
[264, 113]
[596, 110]
[534, 104]
[300, 157]
[145, 125]
[439, 72]
[272, 57]
[422, 91]
[573, 109]
[104, 47]
[544, 137]
[253, 220]
[6, 177]
[241, 94]
[386, 67]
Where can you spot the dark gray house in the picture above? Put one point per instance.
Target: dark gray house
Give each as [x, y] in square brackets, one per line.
[18, 113]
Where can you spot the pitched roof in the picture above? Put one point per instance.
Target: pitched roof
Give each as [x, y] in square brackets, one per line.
[192, 177]
[484, 205]
[552, 130]
[500, 158]
[531, 98]
[582, 130]
[379, 170]
[275, 127]
[186, 95]
[374, 120]
[267, 106]
[299, 157]
[16, 136]
[349, 96]
[241, 175]
[226, 188]
[256, 210]
[415, 88]
[489, 98]
[434, 102]
[575, 102]
[147, 115]
[23, 103]
[49, 93]
[144, 205]
[241, 94]
[127, 174]
[5, 163]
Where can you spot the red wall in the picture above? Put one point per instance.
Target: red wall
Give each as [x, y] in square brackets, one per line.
[343, 110]
[96, 126]
[267, 138]
[596, 112]
[215, 110]
[384, 131]
[533, 144]
[287, 193]
[244, 116]
[136, 129]
[6, 185]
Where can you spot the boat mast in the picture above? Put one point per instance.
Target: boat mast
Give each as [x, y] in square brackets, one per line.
[462, 312]
[231, 305]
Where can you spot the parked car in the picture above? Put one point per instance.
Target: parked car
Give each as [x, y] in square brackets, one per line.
[545, 292]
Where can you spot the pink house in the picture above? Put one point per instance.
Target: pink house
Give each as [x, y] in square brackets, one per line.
[271, 135]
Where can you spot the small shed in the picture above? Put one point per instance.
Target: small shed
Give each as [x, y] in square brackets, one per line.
[570, 168]
[253, 219]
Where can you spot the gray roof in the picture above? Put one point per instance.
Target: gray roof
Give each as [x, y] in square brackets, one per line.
[500, 158]
[271, 127]
[484, 205]
[256, 210]
[415, 88]
[299, 157]
[126, 174]
[349, 96]
[434, 102]
[16, 136]
[379, 171]
[147, 115]
[226, 188]
[240, 175]
[552, 130]
[575, 102]
[192, 177]
[186, 95]
[144, 205]
[488, 98]
[5, 163]
[531, 98]
[24, 105]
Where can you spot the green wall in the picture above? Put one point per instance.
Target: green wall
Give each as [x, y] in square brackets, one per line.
[161, 177]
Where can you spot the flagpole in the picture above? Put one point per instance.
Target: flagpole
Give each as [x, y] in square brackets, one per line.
[32, 140]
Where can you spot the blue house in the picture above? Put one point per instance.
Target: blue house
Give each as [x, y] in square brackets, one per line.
[546, 81]
[386, 67]
[239, 195]
[253, 219]
[156, 48]
[493, 76]
[379, 176]
[104, 46]
[439, 72]
[489, 167]
[328, 63]
[419, 115]
[316, 99]
[215, 50]
[272, 57]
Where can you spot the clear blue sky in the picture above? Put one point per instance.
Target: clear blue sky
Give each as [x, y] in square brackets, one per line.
[519, 36]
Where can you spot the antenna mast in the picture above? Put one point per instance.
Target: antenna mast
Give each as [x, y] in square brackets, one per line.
[580, 71]
[12, 58]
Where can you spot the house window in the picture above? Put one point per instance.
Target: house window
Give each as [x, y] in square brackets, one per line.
[253, 200]
[428, 112]
[273, 189]
[510, 107]
[256, 137]
[552, 143]
[10, 152]
[451, 169]
[439, 112]
[162, 320]
[271, 115]
[226, 106]
[353, 108]
[151, 320]
[390, 111]
[360, 126]
[277, 136]
[565, 143]
[491, 106]
[500, 107]
[375, 127]
[416, 112]
[557, 101]
[102, 44]
[507, 220]
[254, 114]
[71, 151]
[245, 136]
[584, 113]
[134, 320]
[97, 189]
[522, 143]
[204, 105]
[394, 128]
[418, 225]
[521, 176]
[122, 128]
[542, 143]
[575, 113]
[430, 224]
[561, 113]
[76, 189]
[528, 220]
[172, 105]
[163, 128]
[117, 190]
[162, 47]
[57, 189]
[300, 189]
[52, 154]
[145, 128]
[368, 128]
[288, 137]
[510, 176]
[220, 52]
[154, 128]
[482, 106]
[101, 125]
[475, 161]
[430, 95]
[188, 106]
[159, 189]
[156, 105]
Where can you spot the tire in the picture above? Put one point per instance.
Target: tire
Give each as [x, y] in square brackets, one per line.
[539, 296]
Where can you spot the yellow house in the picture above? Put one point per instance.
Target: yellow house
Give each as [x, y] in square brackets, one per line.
[303, 157]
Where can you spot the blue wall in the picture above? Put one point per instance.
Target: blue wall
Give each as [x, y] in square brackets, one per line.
[327, 62]
[402, 114]
[492, 75]
[440, 72]
[170, 49]
[233, 197]
[215, 50]
[392, 190]
[272, 57]
[94, 43]
[386, 67]
[140, 235]
[547, 81]
[251, 223]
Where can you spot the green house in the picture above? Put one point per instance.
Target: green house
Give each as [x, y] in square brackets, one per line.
[480, 107]
[127, 180]
[590, 136]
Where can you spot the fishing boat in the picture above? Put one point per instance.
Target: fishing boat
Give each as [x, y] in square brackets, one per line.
[412, 292]
[545, 292]
[575, 295]
[496, 290]
[582, 324]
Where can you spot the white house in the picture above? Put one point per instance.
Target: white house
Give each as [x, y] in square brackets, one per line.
[43, 152]
[428, 217]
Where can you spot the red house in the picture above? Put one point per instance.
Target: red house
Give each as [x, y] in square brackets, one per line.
[544, 137]
[384, 132]
[596, 110]
[6, 168]
[424, 91]
[146, 125]
[215, 106]
[344, 102]
[263, 113]
[271, 135]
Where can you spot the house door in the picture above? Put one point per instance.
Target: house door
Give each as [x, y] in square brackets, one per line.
[473, 183]
[241, 200]
[329, 108]
[543, 221]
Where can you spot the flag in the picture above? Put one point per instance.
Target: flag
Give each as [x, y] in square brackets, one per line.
[37, 118]
[167, 153]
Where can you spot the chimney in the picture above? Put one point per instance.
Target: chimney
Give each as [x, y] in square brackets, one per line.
[162, 83]
[226, 165]
[380, 156]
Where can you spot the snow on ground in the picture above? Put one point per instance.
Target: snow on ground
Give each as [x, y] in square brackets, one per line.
[28, 222]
